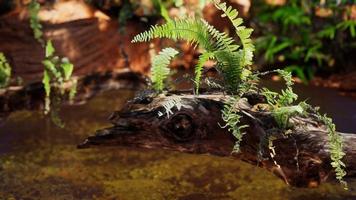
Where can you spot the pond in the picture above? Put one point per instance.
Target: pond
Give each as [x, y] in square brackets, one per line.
[41, 161]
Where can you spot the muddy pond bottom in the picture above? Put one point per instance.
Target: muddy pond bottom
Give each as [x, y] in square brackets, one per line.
[41, 161]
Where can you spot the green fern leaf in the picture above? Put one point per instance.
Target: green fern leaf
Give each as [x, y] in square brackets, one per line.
[229, 63]
[222, 40]
[242, 32]
[49, 49]
[160, 70]
[192, 30]
[34, 7]
[231, 116]
[67, 68]
[199, 68]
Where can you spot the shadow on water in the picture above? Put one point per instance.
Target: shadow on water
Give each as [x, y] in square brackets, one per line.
[40, 161]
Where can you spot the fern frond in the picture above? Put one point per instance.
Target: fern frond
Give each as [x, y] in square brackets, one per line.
[222, 40]
[242, 32]
[199, 68]
[34, 8]
[160, 70]
[191, 30]
[336, 149]
[231, 116]
[229, 63]
[169, 103]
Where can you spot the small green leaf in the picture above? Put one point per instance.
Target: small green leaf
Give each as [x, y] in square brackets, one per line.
[46, 83]
[5, 71]
[67, 69]
[49, 49]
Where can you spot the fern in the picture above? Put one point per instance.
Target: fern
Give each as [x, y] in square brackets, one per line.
[233, 62]
[281, 103]
[229, 63]
[160, 70]
[33, 8]
[231, 116]
[169, 103]
[192, 30]
[195, 31]
[242, 32]
[56, 72]
[284, 113]
[199, 68]
[5, 71]
[220, 41]
[336, 149]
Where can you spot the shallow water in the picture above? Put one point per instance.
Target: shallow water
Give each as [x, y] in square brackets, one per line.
[40, 161]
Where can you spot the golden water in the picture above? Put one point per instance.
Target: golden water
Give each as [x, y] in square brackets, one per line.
[40, 161]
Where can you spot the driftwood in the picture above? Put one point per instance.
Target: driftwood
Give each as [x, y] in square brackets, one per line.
[301, 157]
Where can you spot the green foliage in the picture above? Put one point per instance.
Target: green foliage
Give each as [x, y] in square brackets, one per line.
[233, 63]
[230, 64]
[283, 110]
[241, 31]
[160, 69]
[231, 116]
[33, 8]
[217, 45]
[192, 30]
[56, 72]
[5, 71]
[282, 103]
[161, 9]
[348, 24]
[204, 57]
[336, 150]
[316, 46]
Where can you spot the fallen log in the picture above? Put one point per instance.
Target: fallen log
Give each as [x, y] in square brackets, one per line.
[301, 157]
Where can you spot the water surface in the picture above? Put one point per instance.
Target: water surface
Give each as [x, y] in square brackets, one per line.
[40, 161]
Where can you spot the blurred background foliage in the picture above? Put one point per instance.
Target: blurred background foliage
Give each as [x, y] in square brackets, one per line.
[306, 37]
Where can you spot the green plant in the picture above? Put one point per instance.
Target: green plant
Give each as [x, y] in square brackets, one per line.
[5, 71]
[160, 69]
[336, 151]
[56, 72]
[231, 116]
[233, 63]
[319, 43]
[161, 8]
[216, 45]
[33, 8]
[282, 103]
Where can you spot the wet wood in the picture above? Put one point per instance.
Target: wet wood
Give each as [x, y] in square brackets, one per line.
[302, 155]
